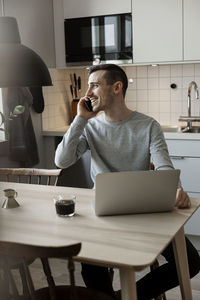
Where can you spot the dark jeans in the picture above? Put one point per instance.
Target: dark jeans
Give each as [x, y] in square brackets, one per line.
[151, 285]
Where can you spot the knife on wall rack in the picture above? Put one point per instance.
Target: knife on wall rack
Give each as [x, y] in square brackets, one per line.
[75, 86]
[71, 89]
[79, 87]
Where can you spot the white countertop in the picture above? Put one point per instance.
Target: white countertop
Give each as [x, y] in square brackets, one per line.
[56, 132]
[168, 135]
[181, 136]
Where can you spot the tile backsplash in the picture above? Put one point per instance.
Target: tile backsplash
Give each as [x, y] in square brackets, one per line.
[149, 92]
[57, 112]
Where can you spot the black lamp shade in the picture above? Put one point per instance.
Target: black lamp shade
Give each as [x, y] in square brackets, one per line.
[19, 65]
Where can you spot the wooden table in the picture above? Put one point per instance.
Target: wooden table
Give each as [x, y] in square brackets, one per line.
[129, 242]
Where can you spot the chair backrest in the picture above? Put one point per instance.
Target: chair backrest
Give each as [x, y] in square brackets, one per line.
[15, 250]
[28, 175]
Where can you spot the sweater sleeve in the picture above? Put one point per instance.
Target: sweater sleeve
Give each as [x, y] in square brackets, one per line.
[159, 151]
[73, 144]
[158, 148]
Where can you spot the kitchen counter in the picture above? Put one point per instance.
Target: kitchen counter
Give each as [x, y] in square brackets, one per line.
[56, 132]
[168, 135]
[181, 136]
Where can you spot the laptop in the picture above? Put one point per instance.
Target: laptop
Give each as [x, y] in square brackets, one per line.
[119, 193]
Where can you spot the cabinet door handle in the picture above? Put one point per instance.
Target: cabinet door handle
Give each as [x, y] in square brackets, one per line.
[177, 157]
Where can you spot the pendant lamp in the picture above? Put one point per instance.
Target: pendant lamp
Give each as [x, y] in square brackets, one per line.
[19, 65]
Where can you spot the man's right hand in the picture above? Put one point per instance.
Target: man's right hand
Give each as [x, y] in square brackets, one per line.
[83, 112]
[182, 199]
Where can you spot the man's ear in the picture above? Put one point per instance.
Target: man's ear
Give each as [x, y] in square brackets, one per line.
[117, 87]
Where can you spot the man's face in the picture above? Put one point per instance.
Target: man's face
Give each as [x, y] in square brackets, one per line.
[99, 92]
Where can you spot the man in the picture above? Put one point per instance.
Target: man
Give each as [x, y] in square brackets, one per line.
[121, 140]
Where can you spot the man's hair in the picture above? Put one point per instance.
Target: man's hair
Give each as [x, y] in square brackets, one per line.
[113, 73]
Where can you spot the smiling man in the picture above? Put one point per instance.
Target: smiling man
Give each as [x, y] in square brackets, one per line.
[121, 140]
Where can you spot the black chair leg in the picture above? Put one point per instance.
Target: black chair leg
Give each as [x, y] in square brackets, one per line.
[4, 286]
[154, 266]
[25, 289]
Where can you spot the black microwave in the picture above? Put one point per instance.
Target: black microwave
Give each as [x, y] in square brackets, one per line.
[100, 39]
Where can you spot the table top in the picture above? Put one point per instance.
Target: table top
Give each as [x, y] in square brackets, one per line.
[128, 240]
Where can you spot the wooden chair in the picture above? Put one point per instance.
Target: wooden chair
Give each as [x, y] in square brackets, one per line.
[52, 292]
[37, 176]
[27, 175]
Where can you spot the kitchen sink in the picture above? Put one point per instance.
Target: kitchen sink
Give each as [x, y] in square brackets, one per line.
[171, 129]
[194, 129]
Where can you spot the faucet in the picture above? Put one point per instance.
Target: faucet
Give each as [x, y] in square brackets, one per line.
[192, 84]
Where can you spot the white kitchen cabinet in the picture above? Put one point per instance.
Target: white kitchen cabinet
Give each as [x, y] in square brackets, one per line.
[157, 30]
[190, 172]
[37, 27]
[191, 30]
[190, 178]
[59, 33]
[86, 8]
[184, 147]
[193, 225]
[185, 155]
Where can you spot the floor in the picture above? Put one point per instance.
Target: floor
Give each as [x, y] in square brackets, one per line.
[59, 271]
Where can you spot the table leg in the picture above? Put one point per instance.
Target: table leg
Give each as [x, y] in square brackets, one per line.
[128, 284]
[182, 264]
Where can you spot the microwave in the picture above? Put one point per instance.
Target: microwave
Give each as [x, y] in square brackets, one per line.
[100, 39]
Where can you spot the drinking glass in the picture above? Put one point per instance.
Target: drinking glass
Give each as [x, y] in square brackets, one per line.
[65, 205]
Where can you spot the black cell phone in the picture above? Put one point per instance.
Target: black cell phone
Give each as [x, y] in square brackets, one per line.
[88, 105]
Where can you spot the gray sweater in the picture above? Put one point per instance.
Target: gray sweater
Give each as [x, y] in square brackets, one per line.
[127, 145]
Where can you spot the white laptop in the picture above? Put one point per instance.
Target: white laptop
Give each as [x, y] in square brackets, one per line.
[135, 192]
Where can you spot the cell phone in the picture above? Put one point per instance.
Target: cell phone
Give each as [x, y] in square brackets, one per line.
[88, 105]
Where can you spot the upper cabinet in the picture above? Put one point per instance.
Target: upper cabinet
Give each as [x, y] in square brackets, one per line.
[191, 30]
[165, 31]
[157, 30]
[86, 8]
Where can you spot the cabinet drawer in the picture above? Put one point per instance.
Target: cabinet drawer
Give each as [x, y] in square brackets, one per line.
[190, 172]
[184, 148]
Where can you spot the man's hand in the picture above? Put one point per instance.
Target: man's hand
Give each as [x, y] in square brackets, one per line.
[82, 110]
[182, 199]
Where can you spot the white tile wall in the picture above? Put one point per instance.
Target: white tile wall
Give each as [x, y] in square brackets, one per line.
[155, 97]
[149, 93]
